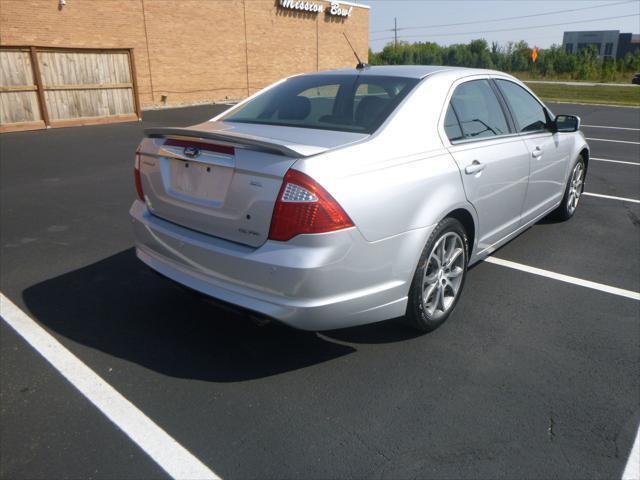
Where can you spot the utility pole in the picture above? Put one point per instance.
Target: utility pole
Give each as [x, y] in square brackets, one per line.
[395, 32]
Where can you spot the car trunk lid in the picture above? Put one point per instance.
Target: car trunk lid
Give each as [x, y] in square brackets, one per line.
[223, 179]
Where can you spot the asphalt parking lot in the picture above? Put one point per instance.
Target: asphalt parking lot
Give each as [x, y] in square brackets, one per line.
[531, 377]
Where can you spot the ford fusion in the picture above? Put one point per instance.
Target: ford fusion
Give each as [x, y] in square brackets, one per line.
[352, 196]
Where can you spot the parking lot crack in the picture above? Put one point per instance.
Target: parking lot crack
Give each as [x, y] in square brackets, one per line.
[372, 448]
[635, 220]
[550, 428]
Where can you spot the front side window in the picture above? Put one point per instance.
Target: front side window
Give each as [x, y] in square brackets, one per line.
[528, 114]
[348, 103]
[478, 110]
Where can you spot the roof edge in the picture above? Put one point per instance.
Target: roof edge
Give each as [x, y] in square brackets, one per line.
[352, 4]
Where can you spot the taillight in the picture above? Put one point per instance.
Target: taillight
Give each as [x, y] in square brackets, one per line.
[303, 206]
[136, 176]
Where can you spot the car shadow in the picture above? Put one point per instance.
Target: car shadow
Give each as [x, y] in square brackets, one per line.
[389, 331]
[548, 220]
[120, 307]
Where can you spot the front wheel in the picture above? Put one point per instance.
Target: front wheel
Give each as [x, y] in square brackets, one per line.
[439, 278]
[573, 191]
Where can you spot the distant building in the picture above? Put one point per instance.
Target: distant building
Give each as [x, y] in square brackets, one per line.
[628, 43]
[608, 43]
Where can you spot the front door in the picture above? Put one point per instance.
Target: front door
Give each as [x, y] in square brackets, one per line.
[494, 163]
[549, 152]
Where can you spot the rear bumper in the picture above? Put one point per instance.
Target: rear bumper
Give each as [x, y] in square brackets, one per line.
[312, 282]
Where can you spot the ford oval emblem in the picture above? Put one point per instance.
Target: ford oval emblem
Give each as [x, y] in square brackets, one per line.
[191, 151]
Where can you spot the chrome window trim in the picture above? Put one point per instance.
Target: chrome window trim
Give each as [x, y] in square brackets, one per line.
[483, 139]
[537, 132]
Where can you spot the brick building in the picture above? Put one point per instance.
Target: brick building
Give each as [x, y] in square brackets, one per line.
[181, 51]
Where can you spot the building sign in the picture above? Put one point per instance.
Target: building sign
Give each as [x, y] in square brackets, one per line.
[333, 9]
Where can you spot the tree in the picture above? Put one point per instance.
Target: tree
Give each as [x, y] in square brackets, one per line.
[513, 57]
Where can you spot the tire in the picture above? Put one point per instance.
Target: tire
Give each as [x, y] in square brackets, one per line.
[572, 192]
[430, 279]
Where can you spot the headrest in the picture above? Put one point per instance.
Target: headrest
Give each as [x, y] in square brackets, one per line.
[369, 109]
[295, 108]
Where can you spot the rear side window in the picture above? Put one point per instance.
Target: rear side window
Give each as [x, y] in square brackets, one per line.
[478, 110]
[528, 114]
[452, 126]
[349, 103]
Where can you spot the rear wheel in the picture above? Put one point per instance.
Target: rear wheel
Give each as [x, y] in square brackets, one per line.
[439, 278]
[573, 191]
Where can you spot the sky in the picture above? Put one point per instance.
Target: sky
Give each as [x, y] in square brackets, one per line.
[482, 16]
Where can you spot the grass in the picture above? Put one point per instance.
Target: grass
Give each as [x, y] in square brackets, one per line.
[602, 94]
[617, 77]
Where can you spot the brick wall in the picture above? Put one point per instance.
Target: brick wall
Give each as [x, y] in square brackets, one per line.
[193, 50]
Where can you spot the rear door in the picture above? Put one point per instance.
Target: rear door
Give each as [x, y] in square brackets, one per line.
[549, 152]
[493, 161]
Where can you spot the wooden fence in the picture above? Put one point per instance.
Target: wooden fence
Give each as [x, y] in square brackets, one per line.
[54, 87]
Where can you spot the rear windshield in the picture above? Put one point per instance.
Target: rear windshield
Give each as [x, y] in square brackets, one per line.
[347, 103]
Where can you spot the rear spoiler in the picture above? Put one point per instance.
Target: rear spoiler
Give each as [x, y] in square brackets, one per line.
[238, 140]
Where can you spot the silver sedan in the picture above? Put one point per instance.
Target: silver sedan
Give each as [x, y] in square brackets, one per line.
[353, 196]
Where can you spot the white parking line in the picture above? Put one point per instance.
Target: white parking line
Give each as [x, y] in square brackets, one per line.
[176, 460]
[612, 128]
[611, 197]
[614, 141]
[632, 469]
[564, 278]
[637, 164]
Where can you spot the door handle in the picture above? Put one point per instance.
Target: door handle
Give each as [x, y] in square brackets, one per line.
[475, 167]
[537, 153]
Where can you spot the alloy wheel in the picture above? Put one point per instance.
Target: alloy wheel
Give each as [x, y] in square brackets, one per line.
[575, 187]
[443, 275]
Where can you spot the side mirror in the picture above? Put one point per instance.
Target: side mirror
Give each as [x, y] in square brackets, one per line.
[566, 123]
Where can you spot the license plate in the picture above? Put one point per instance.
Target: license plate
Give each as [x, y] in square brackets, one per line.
[199, 180]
